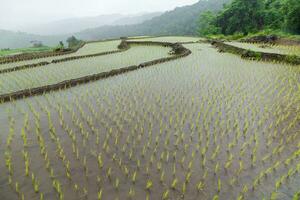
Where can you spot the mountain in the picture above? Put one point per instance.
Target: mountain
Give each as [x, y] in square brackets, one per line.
[136, 19]
[180, 21]
[10, 39]
[72, 25]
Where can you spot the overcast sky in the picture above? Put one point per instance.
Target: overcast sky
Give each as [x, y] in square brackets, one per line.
[19, 13]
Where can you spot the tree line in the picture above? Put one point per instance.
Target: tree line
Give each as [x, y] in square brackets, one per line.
[250, 16]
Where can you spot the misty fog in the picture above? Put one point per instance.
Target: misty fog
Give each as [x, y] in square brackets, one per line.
[20, 15]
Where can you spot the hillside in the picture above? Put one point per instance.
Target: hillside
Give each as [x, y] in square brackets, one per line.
[51, 34]
[72, 25]
[10, 39]
[180, 21]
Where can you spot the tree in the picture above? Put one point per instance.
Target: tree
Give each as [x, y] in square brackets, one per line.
[292, 18]
[250, 16]
[73, 42]
[207, 24]
[36, 44]
[61, 44]
[273, 14]
[241, 16]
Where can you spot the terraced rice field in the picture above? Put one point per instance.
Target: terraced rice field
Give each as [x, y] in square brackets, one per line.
[206, 126]
[172, 39]
[89, 48]
[279, 49]
[54, 73]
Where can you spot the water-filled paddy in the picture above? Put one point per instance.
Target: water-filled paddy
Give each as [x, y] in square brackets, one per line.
[89, 48]
[172, 39]
[268, 48]
[54, 73]
[206, 126]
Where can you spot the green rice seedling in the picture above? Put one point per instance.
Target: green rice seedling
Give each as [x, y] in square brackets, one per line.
[17, 188]
[159, 166]
[240, 197]
[296, 196]
[35, 183]
[274, 196]
[174, 170]
[188, 177]
[149, 184]
[76, 187]
[134, 177]
[219, 185]
[162, 176]
[24, 136]
[183, 188]
[217, 168]
[174, 183]
[166, 195]
[241, 167]
[117, 183]
[109, 173]
[245, 189]
[41, 196]
[200, 186]
[131, 193]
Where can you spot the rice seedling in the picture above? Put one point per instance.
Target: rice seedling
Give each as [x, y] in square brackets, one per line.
[149, 184]
[166, 195]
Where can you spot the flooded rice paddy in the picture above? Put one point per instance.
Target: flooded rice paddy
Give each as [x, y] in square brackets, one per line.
[207, 126]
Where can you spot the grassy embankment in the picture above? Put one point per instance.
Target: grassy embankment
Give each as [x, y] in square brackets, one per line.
[7, 52]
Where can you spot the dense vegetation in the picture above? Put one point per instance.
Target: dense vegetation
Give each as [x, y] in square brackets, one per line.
[250, 16]
[73, 42]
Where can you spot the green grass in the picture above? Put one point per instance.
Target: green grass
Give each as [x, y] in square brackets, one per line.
[24, 50]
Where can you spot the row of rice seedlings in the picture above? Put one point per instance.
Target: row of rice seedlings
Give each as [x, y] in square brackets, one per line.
[87, 49]
[55, 73]
[75, 149]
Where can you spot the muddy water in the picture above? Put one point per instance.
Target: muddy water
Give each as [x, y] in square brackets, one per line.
[179, 124]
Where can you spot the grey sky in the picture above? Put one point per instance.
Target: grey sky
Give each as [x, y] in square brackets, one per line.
[19, 13]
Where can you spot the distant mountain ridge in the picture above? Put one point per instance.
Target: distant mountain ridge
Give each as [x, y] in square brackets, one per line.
[11, 39]
[180, 21]
[72, 25]
[65, 28]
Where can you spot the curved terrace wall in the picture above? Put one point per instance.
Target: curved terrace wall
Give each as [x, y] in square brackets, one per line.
[178, 51]
[245, 53]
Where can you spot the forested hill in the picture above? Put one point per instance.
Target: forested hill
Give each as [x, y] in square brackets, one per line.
[180, 21]
[251, 16]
